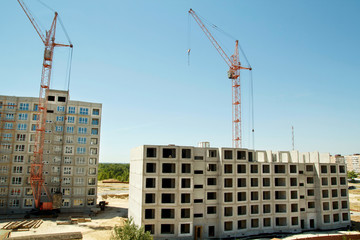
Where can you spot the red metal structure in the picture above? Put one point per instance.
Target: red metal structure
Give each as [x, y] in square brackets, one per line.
[234, 73]
[36, 175]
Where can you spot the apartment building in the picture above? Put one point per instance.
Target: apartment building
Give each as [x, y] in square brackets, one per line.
[351, 161]
[71, 151]
[185, 192]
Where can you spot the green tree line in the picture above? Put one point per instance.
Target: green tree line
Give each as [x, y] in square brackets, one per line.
[118, 171]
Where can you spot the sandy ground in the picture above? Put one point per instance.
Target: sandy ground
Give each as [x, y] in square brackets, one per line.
[116, 194]
[101, 225]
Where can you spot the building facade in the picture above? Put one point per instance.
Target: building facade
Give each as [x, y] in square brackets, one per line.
[351, 161]
[71, 151]
[202, 192]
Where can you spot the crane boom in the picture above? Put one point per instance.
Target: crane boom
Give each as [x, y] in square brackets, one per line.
[36, 174]
[234, 73]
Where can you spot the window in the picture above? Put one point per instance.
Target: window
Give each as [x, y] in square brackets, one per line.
[293, 169]
[11, 105]
[23, 116]
[17, 169]
[186, 168]
[71, 110]
[35, 117]
[242, 224]
[67, 170]
[169, 153]
[254, 169]
[254, 223]
[69, 129]
[294, 221]
[266, 169]
[91, 192]
[281, 221]
[241, 155]
[241, 210]
[79, 181]
[228, 182]
[16, 180]
[82, 130]
[211, 231]
[84, 111]
[212, 167]
[185, 183]
[14, 203]
[66, 202]
[92, 171]
[68, 149]
[310, 192]
[324, 181]
[228, 168]
[78, 202]
[19, 148]
[294, 207]
[66, 181]
[228, 211]
[293, 182]
[280, 208]
[212, 153]
[8, 125]
[94, 131]
[266, 208]
[241, 168]
[3, 180]
[95, 111]
[267, 222]
[58, 128]
[310, 180]
[228, 226]
[15, 192]
[18, 159]
[151, 152]
[168, 168]
[59, 118]
[228, 197]
[333, 169]
[61, 99]
[91, 181]
[22, 126]
[80, 170]
[167, 229]
[185, 213]
[266, 195]
[254, 196]
[33, 127]
[311, 204]
[254, 209]
[279, 169]
[151, 167]
[185, 228]
[342, 169]
[20, 137]
[323, 169]
[150, 198]
[309, 168]
[71, 119]
[168, 183]
[280, 195]
[228, 154]
[60, 109]
[167, 198]
[254, 182]
[92, 161]
[82, 140]
[24, 106]
[186, 153]
[211, 181]
[83, 120]
[150, 182]
[241, 182]
[185, 198]
[80, 150]
[95, 121]
[211, 196]
[280, 182]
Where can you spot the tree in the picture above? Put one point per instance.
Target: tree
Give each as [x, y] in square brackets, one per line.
[130, 231]
[352, 175]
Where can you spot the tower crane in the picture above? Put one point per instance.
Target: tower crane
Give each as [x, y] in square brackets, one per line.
[36, 174]
[234, 74]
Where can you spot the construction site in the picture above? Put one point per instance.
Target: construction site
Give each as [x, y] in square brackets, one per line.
[50, 155]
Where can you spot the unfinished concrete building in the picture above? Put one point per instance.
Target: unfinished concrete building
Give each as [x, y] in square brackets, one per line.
[185, 192]
[71, 151]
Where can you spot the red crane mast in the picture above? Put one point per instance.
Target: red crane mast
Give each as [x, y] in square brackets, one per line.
[36, 175]
[234, 74]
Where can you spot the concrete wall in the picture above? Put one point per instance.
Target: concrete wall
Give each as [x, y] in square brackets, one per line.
[226, 192]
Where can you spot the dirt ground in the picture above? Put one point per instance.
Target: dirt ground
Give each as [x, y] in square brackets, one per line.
[101, 225]
[116, 194]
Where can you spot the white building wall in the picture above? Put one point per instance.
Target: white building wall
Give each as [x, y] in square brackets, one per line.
[226, 192]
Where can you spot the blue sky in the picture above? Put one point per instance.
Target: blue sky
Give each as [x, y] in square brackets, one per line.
[132, 57]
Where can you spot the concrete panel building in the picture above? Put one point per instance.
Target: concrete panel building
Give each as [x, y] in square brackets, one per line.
[351, 161]
[185, 192]
[71, 151]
